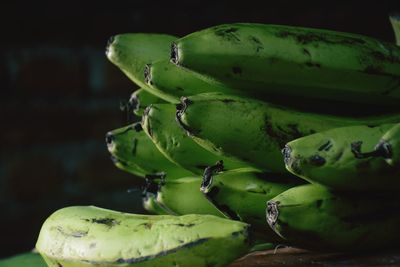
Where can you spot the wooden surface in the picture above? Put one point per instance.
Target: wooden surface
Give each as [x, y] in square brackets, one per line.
[287, 256]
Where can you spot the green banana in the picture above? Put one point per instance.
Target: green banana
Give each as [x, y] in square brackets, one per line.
[241, 195]
[134, 152]
[91, 236]
[160, 125]
[29, 259]
[182, 196]
[301, 62]
[390, 143]
[395, 22]
[345, 158]
[254, 131]
[131, 52]
[176, 82]
[140, 99]
[310, 216]
[149, 198]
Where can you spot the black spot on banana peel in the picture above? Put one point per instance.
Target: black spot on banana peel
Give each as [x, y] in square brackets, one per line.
[317, 160]
[382, 149]
[326, 147]
[208, 175]
[174, 54]
[180, 110]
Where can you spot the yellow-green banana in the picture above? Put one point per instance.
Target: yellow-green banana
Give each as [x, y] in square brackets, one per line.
[395, 21]
[131, 52]
[255, 131]
[160, 125]
[90, 236]
[345, 158]
[140, 99]
[28, 259]
[302, 62]
[134, 152]
[241, 195]
[311, 216]
[182, 196]
[390, 143]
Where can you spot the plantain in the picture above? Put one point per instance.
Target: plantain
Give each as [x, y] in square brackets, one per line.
[241, 195]
[130, 52]
[313, 217]
[160, 125]
[140, 99]
[254, 131]
[91, 236]
[29, 259]
[134, 152]
[345, 158]
[174, 81]
[181, 196]
[293, 61]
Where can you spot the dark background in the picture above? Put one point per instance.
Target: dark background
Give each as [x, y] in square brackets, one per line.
[59, 95]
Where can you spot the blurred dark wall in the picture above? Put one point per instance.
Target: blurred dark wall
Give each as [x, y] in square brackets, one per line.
[59, 95]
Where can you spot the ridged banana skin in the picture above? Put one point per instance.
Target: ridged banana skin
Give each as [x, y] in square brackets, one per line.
[345, 158]
[160, 125]
[253, 131]
[390, 141]
[90, 236]
[28, 259]
[140, 99]
[242, 196]
[295, 61]
[130, 52]
[133, 151]
[175, 81]
[183, 196]
[310, 216]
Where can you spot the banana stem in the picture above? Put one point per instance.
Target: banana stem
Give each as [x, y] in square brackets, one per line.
[395, 21]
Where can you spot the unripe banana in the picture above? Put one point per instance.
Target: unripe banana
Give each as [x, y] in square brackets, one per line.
[310, 216]
[182, 196]
[176, 81]
[395, 21]
[28, 259]
[149, 198]
[132, 51]
[255, 131]
[295, 61]
[241, 195]
[140, 99]
[390, 142]
[90, 236]
[160, 125]
[345, 158]
[134, 152]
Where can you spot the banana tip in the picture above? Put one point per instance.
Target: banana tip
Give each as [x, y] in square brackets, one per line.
[109, 43]
[174, 53]
[272, 214]
[147, 74]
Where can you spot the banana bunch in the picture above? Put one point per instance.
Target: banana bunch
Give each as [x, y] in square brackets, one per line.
[246, 134]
